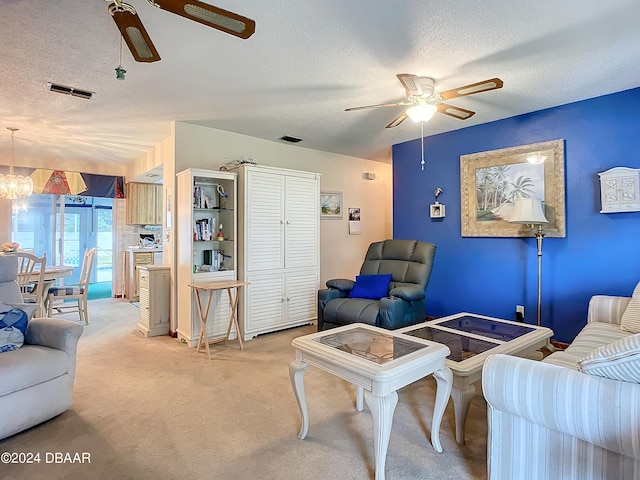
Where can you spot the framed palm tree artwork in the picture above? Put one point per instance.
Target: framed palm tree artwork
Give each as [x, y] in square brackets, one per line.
[491, 182]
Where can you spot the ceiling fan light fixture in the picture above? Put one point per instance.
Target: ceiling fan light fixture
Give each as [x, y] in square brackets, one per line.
[133, 32]
[421, 113]
[209, 15]
[138, 42]
[214, 18]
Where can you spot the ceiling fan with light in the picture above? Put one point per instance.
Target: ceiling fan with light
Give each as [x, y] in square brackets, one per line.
[138, 40]
[424, 102]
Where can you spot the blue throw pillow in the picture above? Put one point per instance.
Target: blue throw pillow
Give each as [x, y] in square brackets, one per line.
[371, 286]
[14, 320]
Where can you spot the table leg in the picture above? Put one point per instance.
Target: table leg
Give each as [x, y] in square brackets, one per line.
[233, 319]
[444, 381]
[382, 409]
[203, 322]
[461, 400]
[296, 374]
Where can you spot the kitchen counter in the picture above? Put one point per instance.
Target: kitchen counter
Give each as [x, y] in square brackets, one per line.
[145, 249]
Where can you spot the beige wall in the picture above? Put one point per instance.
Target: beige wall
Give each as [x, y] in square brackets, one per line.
[341, 254]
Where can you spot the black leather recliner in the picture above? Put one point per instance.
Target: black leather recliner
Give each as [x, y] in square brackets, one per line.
[408, 261]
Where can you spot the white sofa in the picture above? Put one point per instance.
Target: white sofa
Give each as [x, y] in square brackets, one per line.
[36, 381]
[548, 420]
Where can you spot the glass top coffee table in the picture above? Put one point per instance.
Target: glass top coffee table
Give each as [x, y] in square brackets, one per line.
[378, 362]
[471, 339]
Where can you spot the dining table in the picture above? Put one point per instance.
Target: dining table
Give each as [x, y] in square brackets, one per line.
[52, 273]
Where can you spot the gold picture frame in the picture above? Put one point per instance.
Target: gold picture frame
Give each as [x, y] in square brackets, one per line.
[490, 181]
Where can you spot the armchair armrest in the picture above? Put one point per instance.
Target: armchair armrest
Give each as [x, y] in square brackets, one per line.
[597, 410]
[409, 293]
[56, 333]
[607, 309]
[342, 284]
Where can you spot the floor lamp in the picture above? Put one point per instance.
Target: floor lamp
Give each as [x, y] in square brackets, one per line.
[528, 211]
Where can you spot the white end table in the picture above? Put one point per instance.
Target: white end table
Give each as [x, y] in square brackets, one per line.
[471, 339]
[378, 362]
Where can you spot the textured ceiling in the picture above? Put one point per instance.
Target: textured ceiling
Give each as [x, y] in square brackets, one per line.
[306, 63]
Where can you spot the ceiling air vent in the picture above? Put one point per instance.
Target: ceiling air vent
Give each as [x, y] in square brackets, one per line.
[75, 92]
[290, 139]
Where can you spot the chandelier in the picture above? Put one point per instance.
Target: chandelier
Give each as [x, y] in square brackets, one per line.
[14, 186]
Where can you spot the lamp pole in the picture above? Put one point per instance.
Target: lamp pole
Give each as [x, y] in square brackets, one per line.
[539, 237]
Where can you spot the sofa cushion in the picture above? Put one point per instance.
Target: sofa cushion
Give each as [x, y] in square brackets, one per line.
[619, 360]
[630, 320]
[14, 319]
[30, 365]
[373, 287]
[593, 335]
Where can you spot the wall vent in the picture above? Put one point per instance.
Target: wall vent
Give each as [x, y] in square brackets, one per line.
[74, 92]
[290, 139]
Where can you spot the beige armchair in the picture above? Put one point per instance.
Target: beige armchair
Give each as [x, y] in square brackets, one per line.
[36, 380]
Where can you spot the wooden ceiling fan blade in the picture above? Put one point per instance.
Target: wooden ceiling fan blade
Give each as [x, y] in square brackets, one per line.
[379, 105]
[455, 112]
[484, 86]
[208, 15]
[134, 33]
[398, 120]
[411, 83]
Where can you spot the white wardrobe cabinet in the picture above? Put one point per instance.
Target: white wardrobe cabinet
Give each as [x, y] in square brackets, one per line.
[279, 240]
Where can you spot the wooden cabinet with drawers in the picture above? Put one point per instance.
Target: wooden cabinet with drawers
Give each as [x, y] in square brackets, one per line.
[133, 261]
[155, 285]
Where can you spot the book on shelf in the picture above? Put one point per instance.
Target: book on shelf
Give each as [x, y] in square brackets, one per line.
[202, 200]
[203, 229]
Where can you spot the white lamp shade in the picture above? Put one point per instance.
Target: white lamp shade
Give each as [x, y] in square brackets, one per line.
[421, 113]
[529, 211]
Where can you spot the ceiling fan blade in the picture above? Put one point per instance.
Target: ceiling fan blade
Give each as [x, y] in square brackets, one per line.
[209, 15]
[455, 112]
[485, 86]
[377, 106]
[411, 83]
[134, 33]
[398, 120]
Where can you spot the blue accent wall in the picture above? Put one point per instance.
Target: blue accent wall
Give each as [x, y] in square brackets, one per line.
[490, 276]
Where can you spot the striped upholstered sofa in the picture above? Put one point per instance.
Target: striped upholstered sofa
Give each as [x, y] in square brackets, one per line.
[549, 420]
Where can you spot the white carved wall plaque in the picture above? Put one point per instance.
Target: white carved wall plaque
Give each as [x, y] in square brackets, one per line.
[620, 190]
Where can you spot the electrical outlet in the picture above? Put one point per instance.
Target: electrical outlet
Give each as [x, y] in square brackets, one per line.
[520, 310]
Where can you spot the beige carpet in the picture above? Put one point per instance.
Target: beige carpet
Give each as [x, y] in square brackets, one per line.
[151, 408]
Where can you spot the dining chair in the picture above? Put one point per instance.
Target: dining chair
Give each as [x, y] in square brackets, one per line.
[57, 298]
[31, 279]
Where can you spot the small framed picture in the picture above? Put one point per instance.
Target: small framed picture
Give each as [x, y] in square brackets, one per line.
[436, 210]
[331, 205]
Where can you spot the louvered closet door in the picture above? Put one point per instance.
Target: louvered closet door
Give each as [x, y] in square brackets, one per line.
[267, 302]
[301, 296]
[265, 221]
[301, 211]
